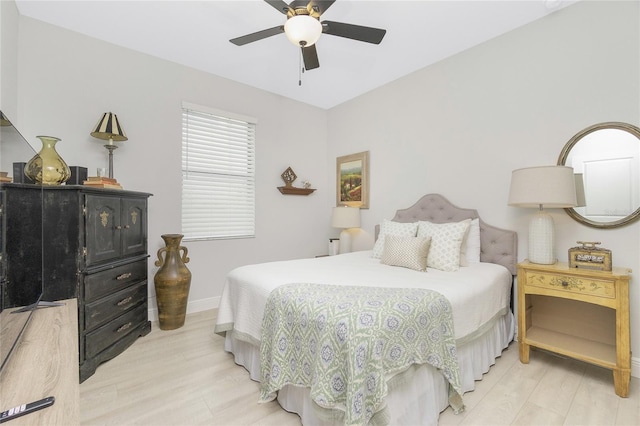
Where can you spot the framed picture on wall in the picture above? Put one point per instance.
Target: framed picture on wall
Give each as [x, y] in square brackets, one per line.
[352, 177]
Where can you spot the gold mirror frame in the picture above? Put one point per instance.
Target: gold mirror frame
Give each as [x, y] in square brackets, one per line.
[564, 155]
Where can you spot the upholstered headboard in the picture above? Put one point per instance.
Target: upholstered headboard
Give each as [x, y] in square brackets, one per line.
[496, 245]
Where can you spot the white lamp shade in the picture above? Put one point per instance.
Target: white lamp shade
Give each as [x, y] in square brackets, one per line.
[548, 186]
[303, 30]
[345, 217]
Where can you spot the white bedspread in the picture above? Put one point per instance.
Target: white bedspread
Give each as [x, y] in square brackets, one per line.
[478, 293]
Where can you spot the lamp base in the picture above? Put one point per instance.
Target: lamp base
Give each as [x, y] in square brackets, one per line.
[345, 241]
[542, 241]
[110, 148]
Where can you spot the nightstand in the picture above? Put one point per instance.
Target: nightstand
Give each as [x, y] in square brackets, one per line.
[579, 313]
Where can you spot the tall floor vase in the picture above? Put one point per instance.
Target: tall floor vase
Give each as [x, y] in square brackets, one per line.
[172, 282]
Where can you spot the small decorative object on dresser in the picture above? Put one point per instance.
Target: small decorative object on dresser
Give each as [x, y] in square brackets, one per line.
[18, 173]
[589, 256]
[78, 175]
[102, 182]
[172, 283]
[579, 313]
[288, 176]
[47, 167]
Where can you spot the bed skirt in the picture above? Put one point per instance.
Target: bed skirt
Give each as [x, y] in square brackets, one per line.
[415, 398]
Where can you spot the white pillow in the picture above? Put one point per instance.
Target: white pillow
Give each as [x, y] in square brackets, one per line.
[408, 252]
[472, 251]
[389, 227]
[446, 240]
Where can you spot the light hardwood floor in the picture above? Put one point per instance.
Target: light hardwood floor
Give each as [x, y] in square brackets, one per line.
[184, 377]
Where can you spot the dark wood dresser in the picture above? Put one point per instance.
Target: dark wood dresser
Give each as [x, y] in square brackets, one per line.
[93, 248]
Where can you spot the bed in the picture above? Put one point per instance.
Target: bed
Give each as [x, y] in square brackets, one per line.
[477, 292]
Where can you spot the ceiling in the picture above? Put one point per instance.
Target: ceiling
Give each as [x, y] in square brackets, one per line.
[197, 33]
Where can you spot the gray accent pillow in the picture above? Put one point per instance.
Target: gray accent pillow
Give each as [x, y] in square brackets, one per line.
[407, 252]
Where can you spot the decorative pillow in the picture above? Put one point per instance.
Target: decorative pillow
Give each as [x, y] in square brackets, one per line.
[390, 227]
[472, 252]
[446, 240]
[408, 252]
[470, 247]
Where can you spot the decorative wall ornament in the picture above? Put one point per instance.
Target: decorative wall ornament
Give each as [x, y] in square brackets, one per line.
[289, 176]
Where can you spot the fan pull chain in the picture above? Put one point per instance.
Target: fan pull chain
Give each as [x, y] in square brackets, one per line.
[300, 68]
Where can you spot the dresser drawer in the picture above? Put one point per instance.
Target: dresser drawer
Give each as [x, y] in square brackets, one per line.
[107, 282]
[107, 308]
[103, 337]
[573, 284]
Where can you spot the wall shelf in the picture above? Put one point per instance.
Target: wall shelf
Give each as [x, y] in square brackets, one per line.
[291, 190]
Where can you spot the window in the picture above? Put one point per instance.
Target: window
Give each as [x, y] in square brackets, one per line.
[218, 174]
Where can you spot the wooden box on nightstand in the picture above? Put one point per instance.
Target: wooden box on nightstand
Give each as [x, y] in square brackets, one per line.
[580, 313]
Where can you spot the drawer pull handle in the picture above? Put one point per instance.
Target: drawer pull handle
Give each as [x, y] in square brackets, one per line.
[119, 227]
[123, 327]
[123, 276]
[127, 227]
[565, 284]
[125, 301]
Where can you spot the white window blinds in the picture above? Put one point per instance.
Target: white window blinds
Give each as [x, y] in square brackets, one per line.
[218, 174]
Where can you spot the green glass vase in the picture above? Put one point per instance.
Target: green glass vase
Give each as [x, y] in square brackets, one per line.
[47, 167]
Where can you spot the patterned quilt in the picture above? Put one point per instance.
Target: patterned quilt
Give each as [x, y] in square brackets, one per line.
[345, 342]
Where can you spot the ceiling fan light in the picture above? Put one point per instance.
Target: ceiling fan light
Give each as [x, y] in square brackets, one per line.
[303, 30]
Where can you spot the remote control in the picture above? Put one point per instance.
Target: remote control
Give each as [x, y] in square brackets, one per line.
[23, 409]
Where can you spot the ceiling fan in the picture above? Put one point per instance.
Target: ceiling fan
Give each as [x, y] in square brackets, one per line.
[303, 28]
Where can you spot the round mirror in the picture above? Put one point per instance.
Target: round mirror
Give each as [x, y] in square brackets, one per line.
[606, 162]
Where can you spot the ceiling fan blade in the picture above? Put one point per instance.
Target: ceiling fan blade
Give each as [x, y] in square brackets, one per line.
[279, 5]
[250, 38]
[310, 57]
[319, 6]
[354, 32]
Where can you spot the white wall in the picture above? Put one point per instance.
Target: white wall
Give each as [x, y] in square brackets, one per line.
[67, 80]
[461, 126]
[9, 57]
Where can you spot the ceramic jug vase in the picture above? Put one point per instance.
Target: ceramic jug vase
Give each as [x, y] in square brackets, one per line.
[172, 282]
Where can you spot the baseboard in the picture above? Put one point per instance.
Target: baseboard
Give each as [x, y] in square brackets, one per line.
[192, 307]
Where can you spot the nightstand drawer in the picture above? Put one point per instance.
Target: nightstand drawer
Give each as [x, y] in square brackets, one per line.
[572, 284]
[103, 337]
[106, 282]
[103, 310]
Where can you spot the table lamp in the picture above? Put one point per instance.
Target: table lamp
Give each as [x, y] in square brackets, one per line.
[539, 187]
[346, 218]
[108, 128]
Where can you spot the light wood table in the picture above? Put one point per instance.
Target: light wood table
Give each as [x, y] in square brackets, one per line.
[580, 313]
[45, 364]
